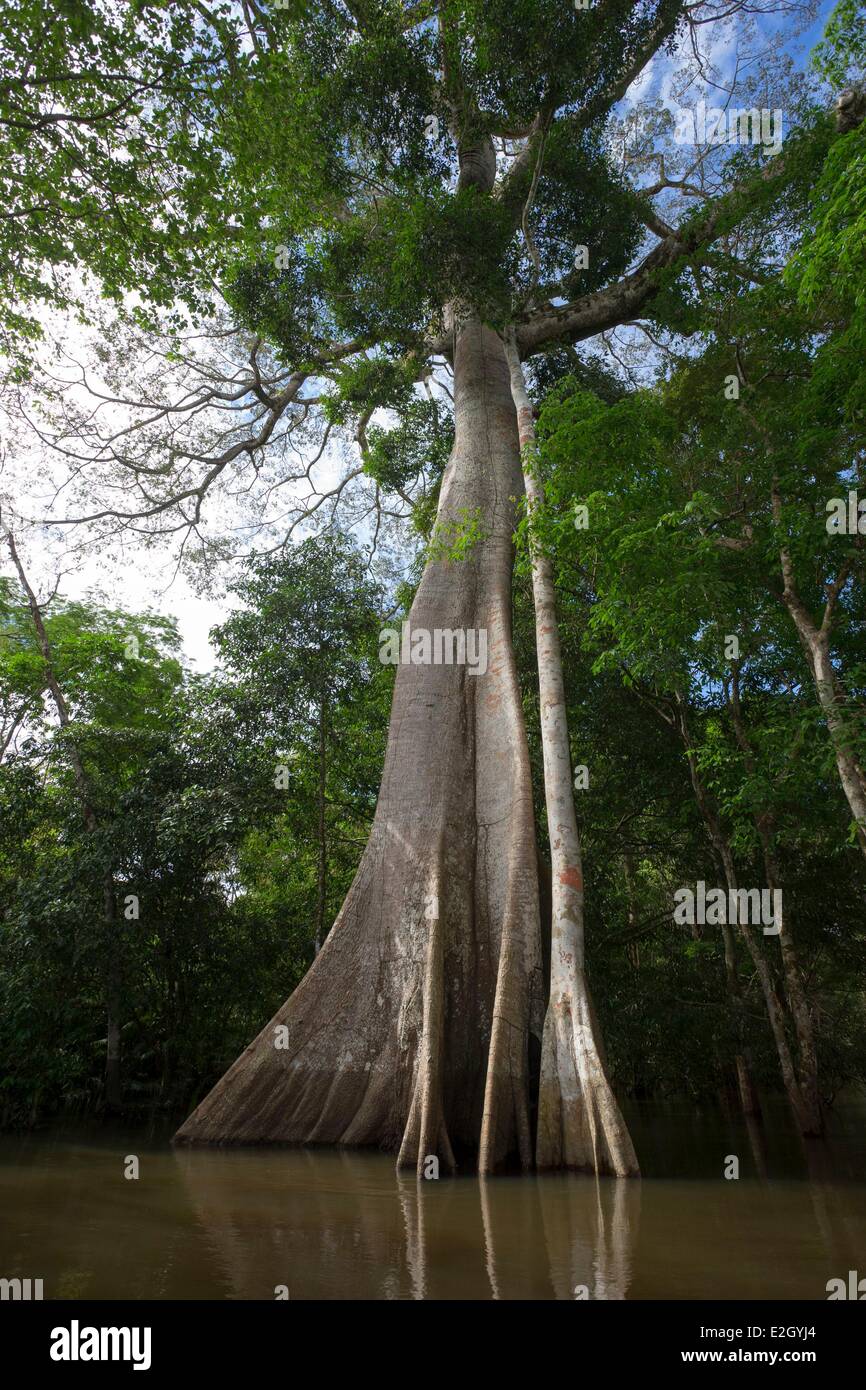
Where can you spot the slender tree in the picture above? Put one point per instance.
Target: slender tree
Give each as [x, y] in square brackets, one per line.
[579, 1120]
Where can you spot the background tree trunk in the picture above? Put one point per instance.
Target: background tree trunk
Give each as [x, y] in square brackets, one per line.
[113, 1087]
[816, 644]
[418, 1026]
[824, 676]
[775, 1010]
[795, 990]
[321, 833]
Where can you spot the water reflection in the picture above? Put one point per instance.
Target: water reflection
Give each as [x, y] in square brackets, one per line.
[343, 1225]
[591, 1232]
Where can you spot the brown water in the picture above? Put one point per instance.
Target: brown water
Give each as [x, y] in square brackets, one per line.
[341, 1224]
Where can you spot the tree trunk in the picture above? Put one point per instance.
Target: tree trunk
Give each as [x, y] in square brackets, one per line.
[320, 826]
[579, 1121]
[775, 1011]
[418, 1025]
[113, 1089]
[816, 644]
[850, 774]
[795, 991]
[749, 1102]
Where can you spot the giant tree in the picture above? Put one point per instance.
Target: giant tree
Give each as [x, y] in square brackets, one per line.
[408, 184]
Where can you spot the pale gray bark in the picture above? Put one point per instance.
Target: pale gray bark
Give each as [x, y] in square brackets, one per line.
[579, 1122]
[419, 1022]
[815, 640]
[321, 827]
[817, 645]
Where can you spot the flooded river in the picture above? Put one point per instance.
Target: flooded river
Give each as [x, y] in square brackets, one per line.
[217, 1224]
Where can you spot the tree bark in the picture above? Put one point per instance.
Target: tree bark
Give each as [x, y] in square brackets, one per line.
[749, 1102]
[113, 985]
[816, 644]
[795, 992]
[775, 1010]
[418, 1026]
[579, 1121]
[322, 868]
